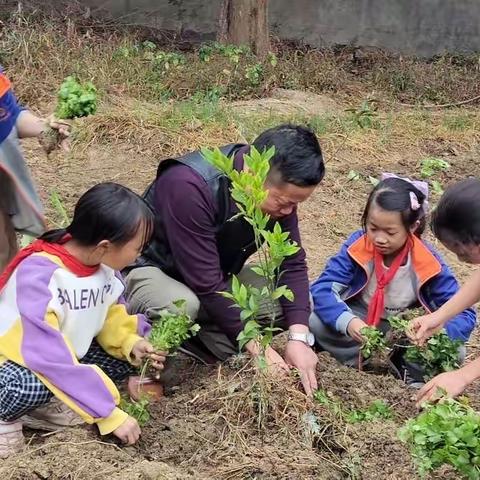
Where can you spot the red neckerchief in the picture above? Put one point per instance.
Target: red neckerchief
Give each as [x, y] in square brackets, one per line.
[384, 277]
[57, 249]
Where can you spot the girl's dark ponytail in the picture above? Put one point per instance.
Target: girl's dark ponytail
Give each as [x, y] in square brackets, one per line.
[54, 236]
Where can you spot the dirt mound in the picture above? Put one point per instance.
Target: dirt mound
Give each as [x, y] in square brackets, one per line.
[229, 422]
[79, 454]
[287, 102]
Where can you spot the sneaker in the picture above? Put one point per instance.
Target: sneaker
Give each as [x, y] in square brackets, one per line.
[11, 438]
[53, 416]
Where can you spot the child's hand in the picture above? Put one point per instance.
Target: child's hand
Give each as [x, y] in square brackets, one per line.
[451, 383]
[128, 432]
[63, 128]
[143, 349]
[420, 329]
[354, 327]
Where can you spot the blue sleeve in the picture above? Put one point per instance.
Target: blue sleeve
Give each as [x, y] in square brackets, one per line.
[9, 107]
[440, 290]
[336, 279]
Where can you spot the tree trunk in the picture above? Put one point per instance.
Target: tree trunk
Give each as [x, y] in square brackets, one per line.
[245, 22]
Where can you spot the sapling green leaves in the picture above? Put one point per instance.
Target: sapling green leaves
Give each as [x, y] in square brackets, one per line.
[273, 244]
[374, 341]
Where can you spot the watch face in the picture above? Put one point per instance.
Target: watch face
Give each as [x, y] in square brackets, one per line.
[311, 339]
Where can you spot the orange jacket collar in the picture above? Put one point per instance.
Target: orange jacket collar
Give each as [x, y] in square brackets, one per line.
[5, 84]
[424, 262]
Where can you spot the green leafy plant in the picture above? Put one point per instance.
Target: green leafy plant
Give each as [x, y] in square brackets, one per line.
[205, 52]
[76, 99]
[364, 116]
[272, 59]
[446, 433]
[437, 187]
[398, 323]
[148, 45]
[376, 411]
[274, 245]
[353, 176]
[440, 354]
[374, 341]
[322, 397]
[138, 410]
[171, 329]
[164, 61]
[168, 332]
[232, 52]
[432, 165]
[59, 207]
[254, 74]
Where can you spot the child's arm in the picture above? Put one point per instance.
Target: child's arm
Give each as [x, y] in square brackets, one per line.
[327, 289]
[452, 383]
[29, 125]
[422, 328]
[121, 332]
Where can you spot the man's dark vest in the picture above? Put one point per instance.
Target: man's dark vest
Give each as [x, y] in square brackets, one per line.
[235, 238]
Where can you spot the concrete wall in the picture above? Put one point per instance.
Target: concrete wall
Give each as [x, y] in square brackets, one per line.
[421, 27]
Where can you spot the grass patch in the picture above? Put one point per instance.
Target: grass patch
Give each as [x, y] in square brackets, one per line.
[145, 70]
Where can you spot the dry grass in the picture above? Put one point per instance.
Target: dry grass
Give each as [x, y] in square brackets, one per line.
[126, 67]
[243, 415]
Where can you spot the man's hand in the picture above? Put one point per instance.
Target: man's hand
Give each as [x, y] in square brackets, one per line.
[354, 328]
[128, 432]
[304, 359]
[143, 349]
[452, 383]
[275, 362]
[420, 329]
[50, 131]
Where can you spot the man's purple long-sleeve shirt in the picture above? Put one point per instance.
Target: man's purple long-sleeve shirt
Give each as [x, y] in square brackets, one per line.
[188, 209]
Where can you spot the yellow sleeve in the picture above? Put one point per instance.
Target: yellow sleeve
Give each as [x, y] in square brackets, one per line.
[121, 332]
